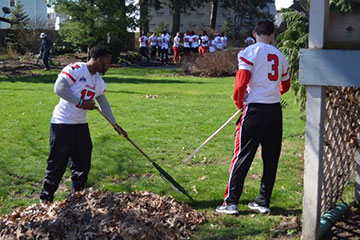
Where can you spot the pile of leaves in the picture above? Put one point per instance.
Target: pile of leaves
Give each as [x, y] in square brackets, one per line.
[218, 64]
[103, 215]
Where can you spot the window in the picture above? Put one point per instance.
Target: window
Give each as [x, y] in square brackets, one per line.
[12, 3]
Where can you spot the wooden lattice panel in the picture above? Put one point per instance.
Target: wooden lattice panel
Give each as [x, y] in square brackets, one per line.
[342, 121]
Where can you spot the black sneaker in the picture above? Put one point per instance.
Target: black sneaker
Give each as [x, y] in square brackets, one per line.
[228, 209]
[257, 207]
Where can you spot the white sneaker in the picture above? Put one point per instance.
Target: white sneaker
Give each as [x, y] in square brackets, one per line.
[44, 202]
[228, 209]
[257, 207]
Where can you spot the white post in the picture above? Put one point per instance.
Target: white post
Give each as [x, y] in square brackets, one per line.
[314, 132]
[314, 151]
[319, 18]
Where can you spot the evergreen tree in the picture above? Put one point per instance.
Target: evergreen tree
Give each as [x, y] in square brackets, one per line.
[91, 22]
[16, 38]
[296, 37]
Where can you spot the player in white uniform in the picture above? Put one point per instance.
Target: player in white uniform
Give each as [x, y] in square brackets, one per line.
[143, 44]
[187, 44]
[194, 43]
[176, 48]
[218, 42]
[165, 41]
[78, 85]
[204, 44]
[153, 44]
[224, 40]
[264, 74]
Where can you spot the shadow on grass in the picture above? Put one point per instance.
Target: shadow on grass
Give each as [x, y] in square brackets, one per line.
[275, 211]
[50, 78]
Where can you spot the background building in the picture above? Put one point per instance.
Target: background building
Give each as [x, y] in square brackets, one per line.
[197, 19]
[35, 9]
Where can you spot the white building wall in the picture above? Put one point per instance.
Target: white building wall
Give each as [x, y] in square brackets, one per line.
[35, 9]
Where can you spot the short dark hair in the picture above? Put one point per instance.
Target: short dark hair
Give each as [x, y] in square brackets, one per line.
[99, 51]
[264, 27]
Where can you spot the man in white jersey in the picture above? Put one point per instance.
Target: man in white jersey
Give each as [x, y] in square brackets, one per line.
[176, 48]
[143, 45]
[78, 85]
[204, 44]
[153, 43]
[264, 74]
[224, 39]
[194, 43]
[165, 41]
[218, 42]
[187, 44]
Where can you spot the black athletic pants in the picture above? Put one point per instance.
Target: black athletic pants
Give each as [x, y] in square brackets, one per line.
[69, 143]
[164, 56]
[259, 124]
[45, 59]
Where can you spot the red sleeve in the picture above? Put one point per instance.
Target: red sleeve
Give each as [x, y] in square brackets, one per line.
[242, 79]
[284, 86]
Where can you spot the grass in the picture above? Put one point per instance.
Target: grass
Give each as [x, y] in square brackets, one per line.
[168, 116]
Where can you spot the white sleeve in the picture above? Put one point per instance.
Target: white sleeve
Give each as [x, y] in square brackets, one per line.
[70, 73]
[246, 59]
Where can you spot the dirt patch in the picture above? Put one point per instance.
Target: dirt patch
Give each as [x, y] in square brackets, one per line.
[24, 66]
[103, 215]
[289, 228]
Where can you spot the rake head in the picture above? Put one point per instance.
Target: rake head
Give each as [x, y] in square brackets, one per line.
[175, 185]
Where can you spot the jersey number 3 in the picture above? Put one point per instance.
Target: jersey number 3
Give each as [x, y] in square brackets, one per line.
[274, 75]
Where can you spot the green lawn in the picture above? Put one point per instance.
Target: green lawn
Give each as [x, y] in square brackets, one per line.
[168, 116]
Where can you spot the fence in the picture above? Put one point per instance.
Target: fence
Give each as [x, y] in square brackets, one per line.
[332, 129]
[341, 131]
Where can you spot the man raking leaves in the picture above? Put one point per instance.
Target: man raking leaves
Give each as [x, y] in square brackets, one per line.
[78, 85]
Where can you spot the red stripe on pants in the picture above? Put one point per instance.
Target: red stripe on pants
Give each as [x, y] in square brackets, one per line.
[236, 152]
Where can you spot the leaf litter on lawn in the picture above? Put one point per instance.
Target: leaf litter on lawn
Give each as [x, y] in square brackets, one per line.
[96, 214]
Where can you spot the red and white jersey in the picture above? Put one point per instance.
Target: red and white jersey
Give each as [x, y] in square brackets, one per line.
[177, 42]
[83, 85]
[153, 41]
[218, 42]
[268, 66]
[187, 41]
[195, 41]
[165, 40]
[204, 41]
[143, 40]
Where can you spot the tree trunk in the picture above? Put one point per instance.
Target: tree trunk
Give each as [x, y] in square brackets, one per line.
[176, 17]
[123, 26]
[144, 15]
[213, 13]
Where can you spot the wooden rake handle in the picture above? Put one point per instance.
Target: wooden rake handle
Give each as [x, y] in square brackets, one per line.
[212, 136]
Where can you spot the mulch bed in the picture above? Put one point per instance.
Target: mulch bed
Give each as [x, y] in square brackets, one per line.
[95, 214]
[348, 227]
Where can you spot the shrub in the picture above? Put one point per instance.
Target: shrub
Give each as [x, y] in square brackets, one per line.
[8, 53]
[217, 64]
